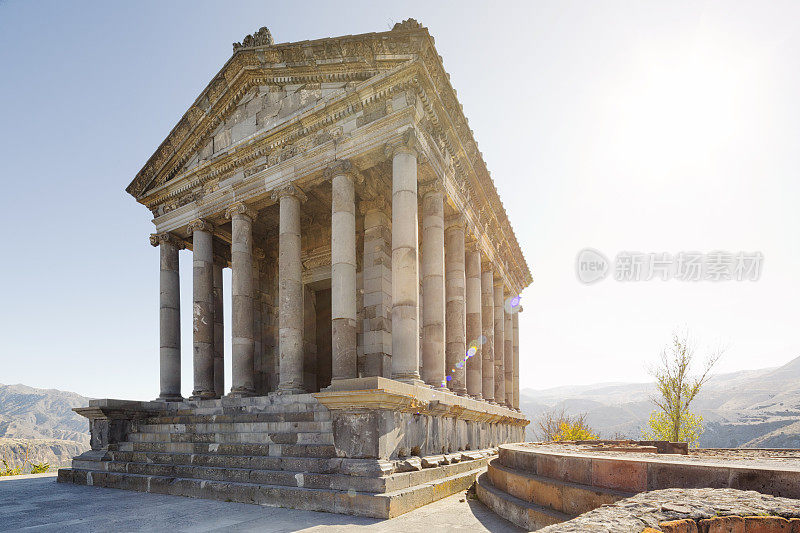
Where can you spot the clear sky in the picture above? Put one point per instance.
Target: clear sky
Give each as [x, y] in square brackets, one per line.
[621, 126]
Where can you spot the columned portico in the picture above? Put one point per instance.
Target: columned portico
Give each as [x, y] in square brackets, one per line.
[203, 309]
[290, 291]
[455, 291]
[343, 271]
[499, 343]
[169, 316]
[405, 273]
[243, 347]
[474, 341]
[433, 285]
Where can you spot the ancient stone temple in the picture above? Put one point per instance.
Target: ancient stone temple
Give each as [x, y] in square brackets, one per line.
[375, 288]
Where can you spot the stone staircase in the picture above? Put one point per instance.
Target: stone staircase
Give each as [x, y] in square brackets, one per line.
[525, 490]
[273, 450]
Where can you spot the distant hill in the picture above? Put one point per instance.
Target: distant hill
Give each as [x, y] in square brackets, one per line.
[41, 420]
[751, 408]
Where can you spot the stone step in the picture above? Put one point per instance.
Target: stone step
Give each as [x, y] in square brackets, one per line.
[526, 515]
[334, 501]
[236, 427]
[279, 416]
[350, 501]
[563, 496]
[313, 480]
[237, 437]
[353, 467]
[257, 449]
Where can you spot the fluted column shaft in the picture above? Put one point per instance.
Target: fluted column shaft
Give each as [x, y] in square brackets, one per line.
[169, 317]
[475, 346]
[499, 345]
[290, 293]
[203, 310]
[433, 291]
[487, 322]
[508, 352]
[219, 331]
[516, 357]
[405, 273]
[455, 317]
[343, 274]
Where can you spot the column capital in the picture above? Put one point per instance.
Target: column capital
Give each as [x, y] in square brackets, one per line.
[289, 189]
[455, 221]
[157, 239]
[433, 186]
[408, 142]
[343, 167]
[471, 244]
[240, 208]
[200, 225]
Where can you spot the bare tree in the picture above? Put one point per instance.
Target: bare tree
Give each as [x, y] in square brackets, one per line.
[677, 387]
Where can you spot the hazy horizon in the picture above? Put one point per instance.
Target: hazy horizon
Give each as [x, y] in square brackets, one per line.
[650, 127]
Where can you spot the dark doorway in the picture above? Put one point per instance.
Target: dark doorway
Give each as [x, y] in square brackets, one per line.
[322, 300]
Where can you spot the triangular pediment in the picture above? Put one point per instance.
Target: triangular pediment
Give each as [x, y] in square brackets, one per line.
[263, 84]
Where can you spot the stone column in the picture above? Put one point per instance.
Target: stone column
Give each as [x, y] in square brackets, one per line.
[508, 352]
[376, 340]
[474, 344]
[290, 291]
[499, 344]
[343, 271]
[242, 299]
[433, 308]
[487, 321]
[516, 357]
[405, 273]
[169, 316]
[203, 310]
[455, 292]
[219, 330]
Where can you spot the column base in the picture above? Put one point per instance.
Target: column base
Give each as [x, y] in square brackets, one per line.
[240, 393]
[411, 378]
[203, 395]
[292, 390]
[169, 398]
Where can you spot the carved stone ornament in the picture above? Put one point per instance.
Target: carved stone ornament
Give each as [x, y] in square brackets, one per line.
[157, 239]
[455, 221]
[262, 37]
[408, 24]
[240, 208]
[408, 141]
[201, 225]
[435, 185]
[290, 189]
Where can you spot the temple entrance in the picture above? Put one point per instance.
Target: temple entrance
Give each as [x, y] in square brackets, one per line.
[323, 326]
[317, 343]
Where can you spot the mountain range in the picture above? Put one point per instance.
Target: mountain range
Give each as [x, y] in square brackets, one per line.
[41, 423]
[748, 409]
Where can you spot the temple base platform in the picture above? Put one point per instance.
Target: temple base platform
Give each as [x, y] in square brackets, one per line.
[367, 446]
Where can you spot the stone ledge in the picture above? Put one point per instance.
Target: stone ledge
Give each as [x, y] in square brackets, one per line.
[378, 393]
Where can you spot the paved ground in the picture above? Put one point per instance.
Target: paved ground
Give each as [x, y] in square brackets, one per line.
[38, 503]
